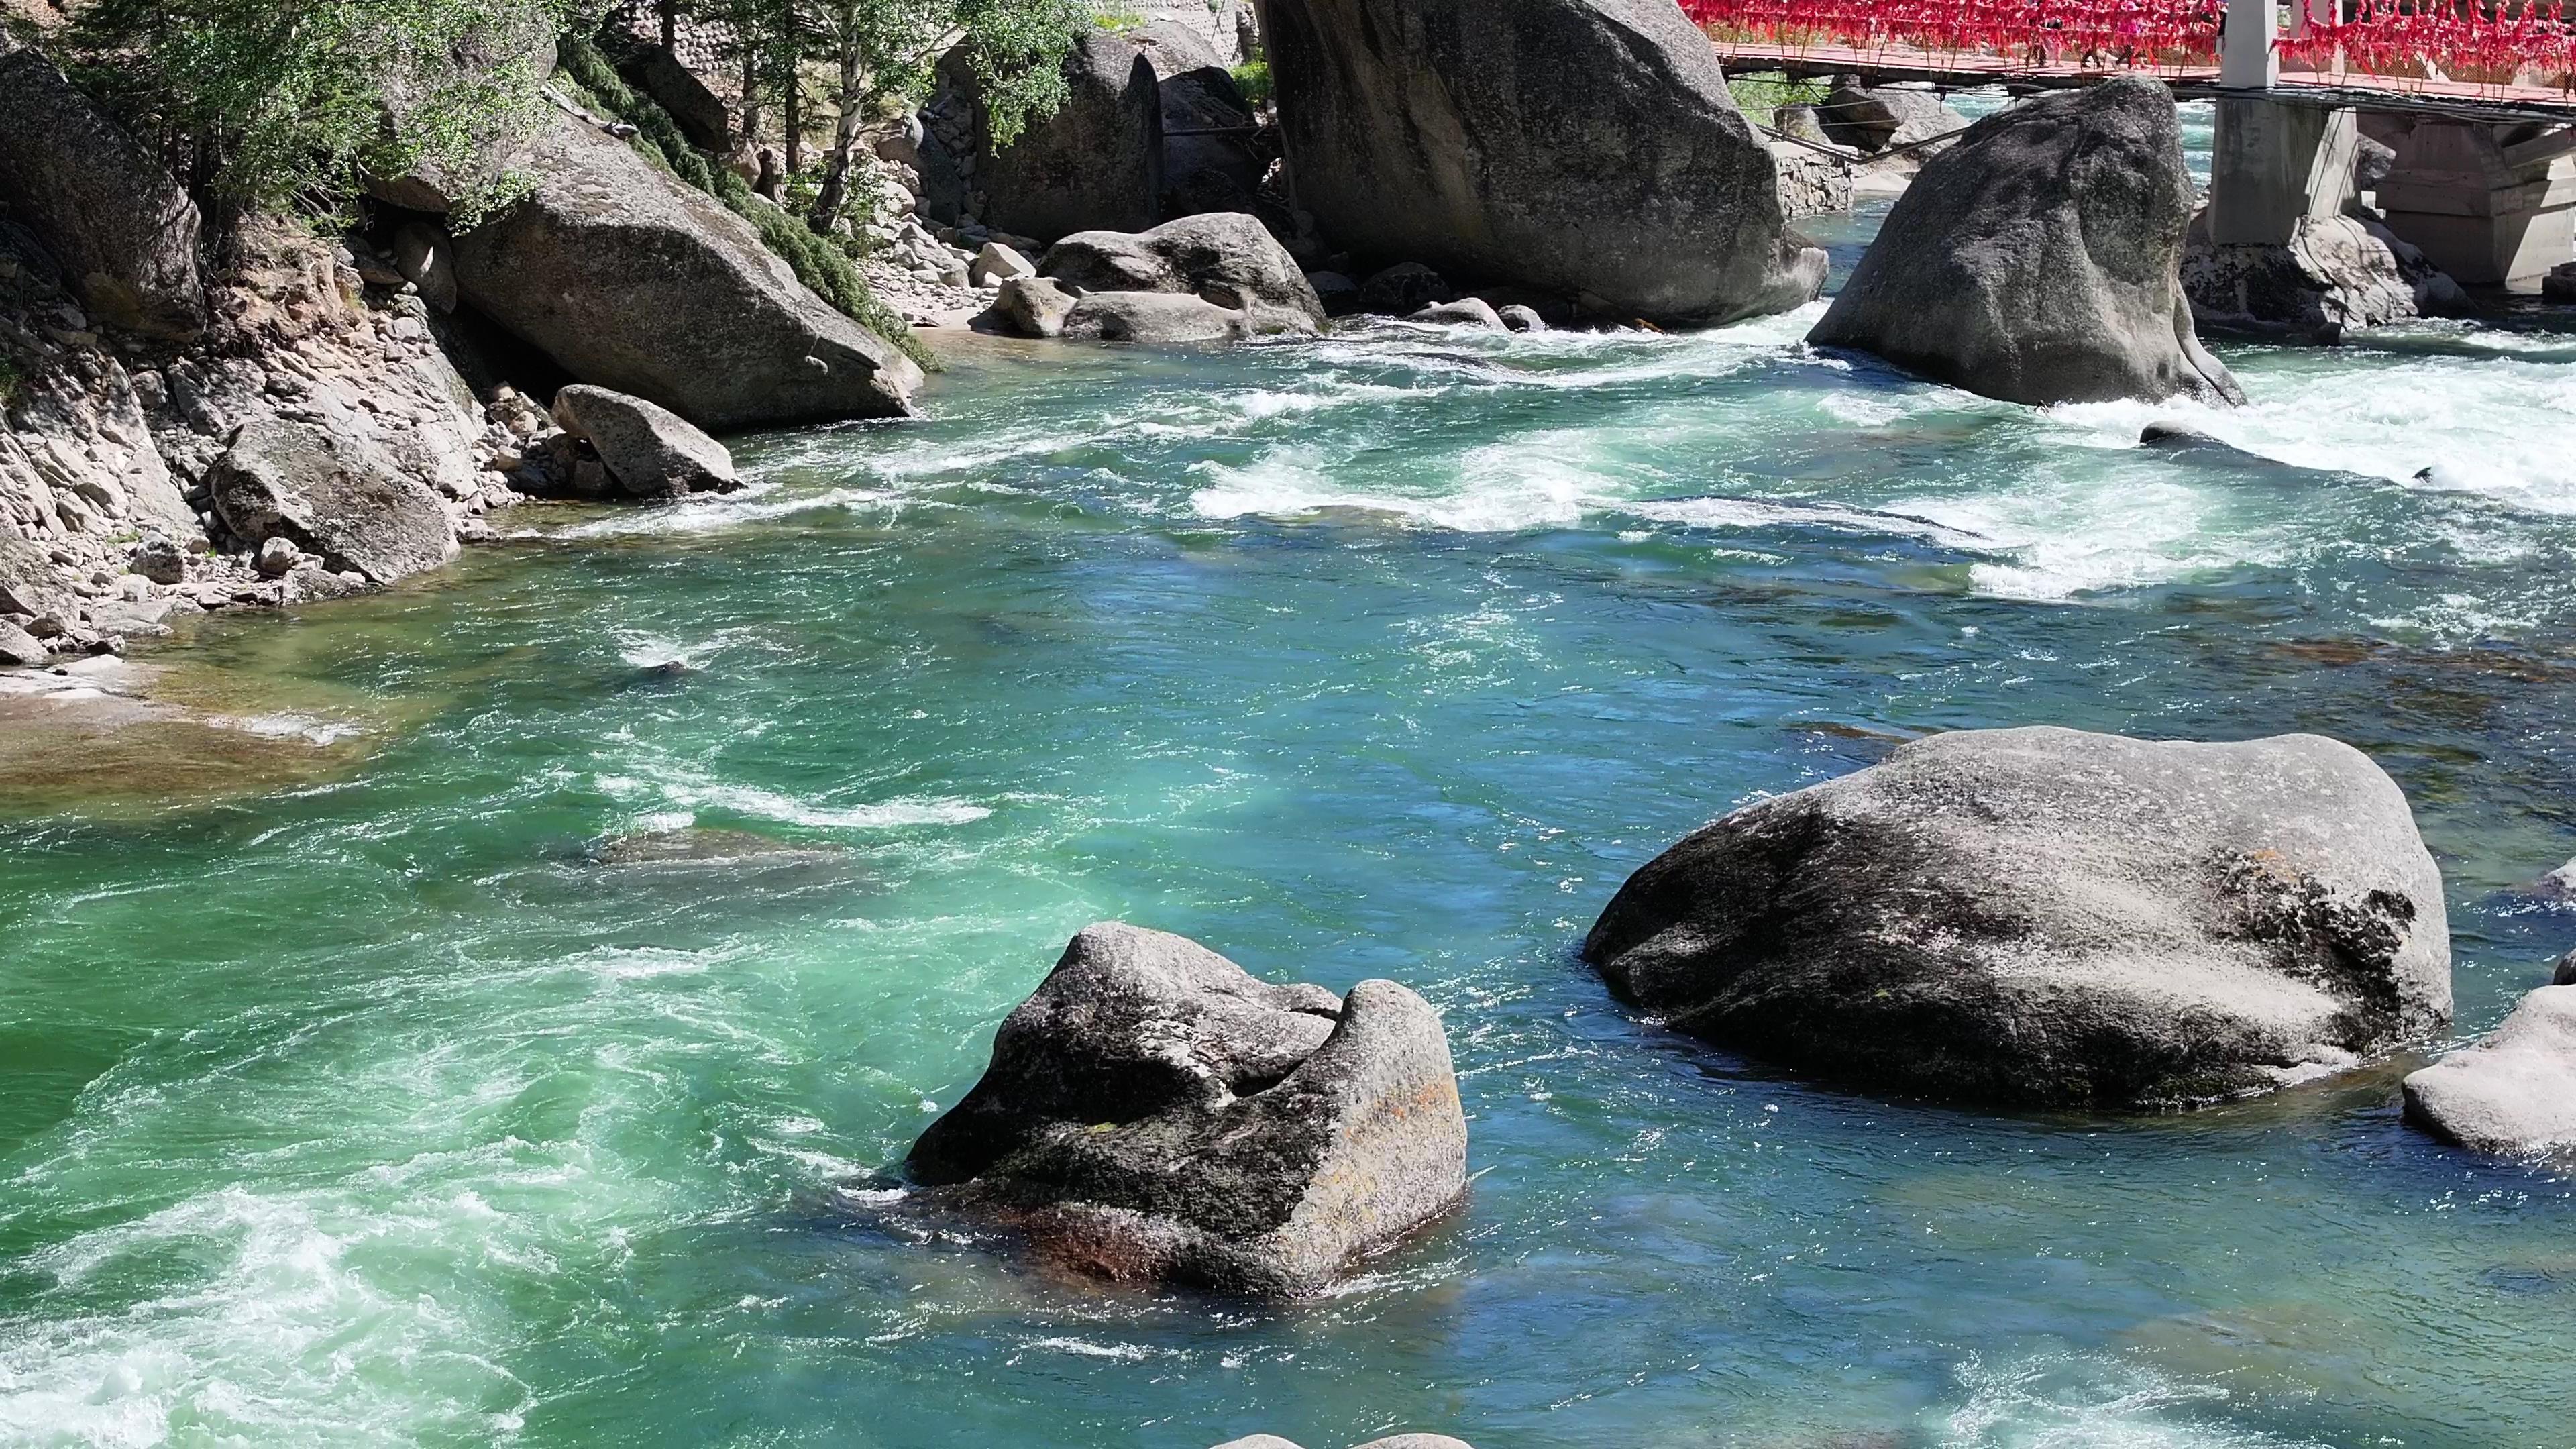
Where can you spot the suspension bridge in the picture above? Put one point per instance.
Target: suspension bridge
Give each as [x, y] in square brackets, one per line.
[2476, 98]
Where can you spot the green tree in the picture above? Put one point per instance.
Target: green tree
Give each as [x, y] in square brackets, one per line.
[262, 104]
[887, 53]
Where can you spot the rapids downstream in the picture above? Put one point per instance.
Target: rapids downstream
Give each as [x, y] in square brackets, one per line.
[366, 1108]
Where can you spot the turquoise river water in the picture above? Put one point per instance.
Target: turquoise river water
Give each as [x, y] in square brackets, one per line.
[360, 1108]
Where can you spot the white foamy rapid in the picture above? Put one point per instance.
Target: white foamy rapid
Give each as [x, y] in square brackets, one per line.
[2093, 1401]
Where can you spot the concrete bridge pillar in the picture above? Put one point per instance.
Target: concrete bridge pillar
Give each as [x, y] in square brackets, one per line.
[2274, 165]
[2494, 206]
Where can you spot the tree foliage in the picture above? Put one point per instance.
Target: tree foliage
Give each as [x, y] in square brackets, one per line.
[265, 104]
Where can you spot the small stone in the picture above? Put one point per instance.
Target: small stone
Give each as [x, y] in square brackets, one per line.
[997, 264]
[158, 559]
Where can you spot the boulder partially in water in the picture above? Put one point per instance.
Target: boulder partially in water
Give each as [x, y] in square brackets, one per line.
[2044, 916]
[651, 451]
[1153, 1113]
[1227, 258]
[2512, 1094]
[1570, 146]
[2038, 259]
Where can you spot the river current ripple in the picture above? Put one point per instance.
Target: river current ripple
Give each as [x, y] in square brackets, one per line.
[365, 1110]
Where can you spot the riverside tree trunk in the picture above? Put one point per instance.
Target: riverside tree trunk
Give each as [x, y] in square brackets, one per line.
[845, 140]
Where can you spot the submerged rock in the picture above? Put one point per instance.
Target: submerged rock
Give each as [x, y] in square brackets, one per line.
[2049, 917]
[2512, 1094]
[696, 846]
[2036, 261]
[1571, 146]
[632, 280]
[651, 451]
[1154, 1114]
[1392, 1441]
[1227, 258]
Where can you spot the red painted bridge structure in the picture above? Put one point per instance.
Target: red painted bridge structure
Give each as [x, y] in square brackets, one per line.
[2510, 53]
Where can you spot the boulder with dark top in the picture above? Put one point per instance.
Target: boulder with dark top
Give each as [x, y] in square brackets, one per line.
[2037, 260]
[2048, 917]
[1155, 1114]
[1165, 317]
[1096, 163]
[1228, 258]
[2565, 974]
[632, 280]
[1570, 146]
[700, 113]
[1873, 119]
[1339, 294]
[1209, 162]
[2512, 1094]
[651, 451]
[329, 492]
[100, 203]
[1404, 289]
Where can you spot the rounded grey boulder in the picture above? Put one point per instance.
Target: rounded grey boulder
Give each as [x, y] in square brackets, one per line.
[2038, 260]
[2044, 916]
[2512, 1094]
[1153, 1113]
[1572, 146]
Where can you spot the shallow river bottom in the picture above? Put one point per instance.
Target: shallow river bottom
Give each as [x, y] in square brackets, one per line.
[361, 1108]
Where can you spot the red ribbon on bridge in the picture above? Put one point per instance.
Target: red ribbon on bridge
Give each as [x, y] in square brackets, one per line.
[2110, 33]
[2498, 42]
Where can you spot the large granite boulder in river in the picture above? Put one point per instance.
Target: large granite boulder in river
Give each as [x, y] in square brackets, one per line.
[1153, 1113]
[2038, 260]
[632, 280]
[2513, 1094]
[1230, 258]
[107, 210]
[2046, 916]
[1580, 147]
